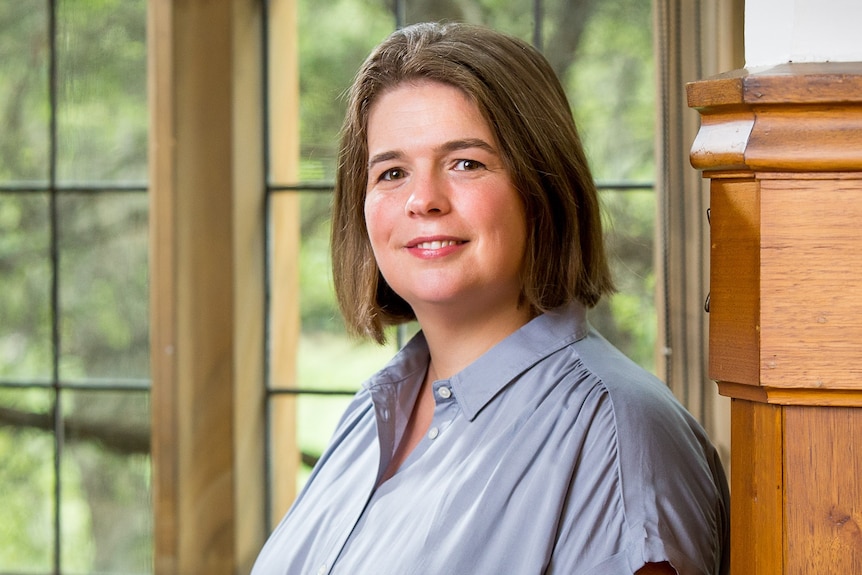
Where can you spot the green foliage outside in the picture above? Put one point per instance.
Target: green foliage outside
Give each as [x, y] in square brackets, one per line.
[100, 243]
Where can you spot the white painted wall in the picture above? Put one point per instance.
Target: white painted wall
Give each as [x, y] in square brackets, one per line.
[781, 31]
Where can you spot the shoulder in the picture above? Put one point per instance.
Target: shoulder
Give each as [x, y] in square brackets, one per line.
[650, 424]
[640, 401]
[671, 482]
[604, 398]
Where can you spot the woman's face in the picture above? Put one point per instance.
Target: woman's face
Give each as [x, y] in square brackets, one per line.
[445, 222]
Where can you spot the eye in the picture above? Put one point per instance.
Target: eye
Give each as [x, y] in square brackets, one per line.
[392, 174]
[468, 165]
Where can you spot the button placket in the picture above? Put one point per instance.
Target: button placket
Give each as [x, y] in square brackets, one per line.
[445, 410]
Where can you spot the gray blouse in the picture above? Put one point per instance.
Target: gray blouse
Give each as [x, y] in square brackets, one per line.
[552, 453]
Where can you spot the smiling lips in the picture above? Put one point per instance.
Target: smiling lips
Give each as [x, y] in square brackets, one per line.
[436, 244]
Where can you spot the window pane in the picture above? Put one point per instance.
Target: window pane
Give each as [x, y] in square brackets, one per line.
[102, 109]
[101, 241]
[515, 17]
[610, 81]
[26, 481]
[602, 52]
[24, 138]
[106, 516]
[25, 287]
[351, 30]
[628, 318]
[317, 418]
[319, 310]
[103, 285]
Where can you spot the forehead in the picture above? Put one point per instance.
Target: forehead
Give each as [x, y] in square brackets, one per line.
[425, 108]
[416, 88]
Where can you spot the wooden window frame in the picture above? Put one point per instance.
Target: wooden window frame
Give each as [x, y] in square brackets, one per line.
[206, 284]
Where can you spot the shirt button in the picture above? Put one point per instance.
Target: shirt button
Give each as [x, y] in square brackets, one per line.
[444, 392]
[433, 433]
[322, 570]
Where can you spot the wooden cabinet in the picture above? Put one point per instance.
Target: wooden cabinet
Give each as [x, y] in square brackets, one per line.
[782, 148]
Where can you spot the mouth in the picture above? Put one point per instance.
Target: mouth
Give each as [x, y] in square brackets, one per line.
[436, 244]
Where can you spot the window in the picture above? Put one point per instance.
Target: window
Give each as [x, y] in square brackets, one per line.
[603, 53]
[74, 355]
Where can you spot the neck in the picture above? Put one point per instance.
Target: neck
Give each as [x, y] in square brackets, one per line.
[456, 342]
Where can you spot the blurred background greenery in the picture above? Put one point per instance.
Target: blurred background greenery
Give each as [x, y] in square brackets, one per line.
[74, 368]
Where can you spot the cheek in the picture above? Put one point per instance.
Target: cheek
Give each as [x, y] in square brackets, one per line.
[507, 218]
[516, 238]
[375, 222]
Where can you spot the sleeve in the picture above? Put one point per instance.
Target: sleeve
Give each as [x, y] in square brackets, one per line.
[648, 488]
[673, 485]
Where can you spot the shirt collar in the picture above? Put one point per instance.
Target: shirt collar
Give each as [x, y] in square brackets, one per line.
[483, 379]
[479, 382]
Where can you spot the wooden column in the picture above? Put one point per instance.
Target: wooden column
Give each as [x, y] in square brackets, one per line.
[782, 148]
[206, 285]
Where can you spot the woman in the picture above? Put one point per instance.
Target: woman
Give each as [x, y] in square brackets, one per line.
[507, 436]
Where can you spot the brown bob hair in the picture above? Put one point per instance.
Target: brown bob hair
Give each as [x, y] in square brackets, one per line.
[520, 97]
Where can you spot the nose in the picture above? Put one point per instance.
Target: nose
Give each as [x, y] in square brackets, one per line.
[428, 196]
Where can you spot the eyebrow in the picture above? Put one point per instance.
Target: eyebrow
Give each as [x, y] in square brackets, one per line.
[451, 146]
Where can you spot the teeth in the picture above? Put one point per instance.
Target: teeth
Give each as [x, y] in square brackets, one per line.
[436, 245]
